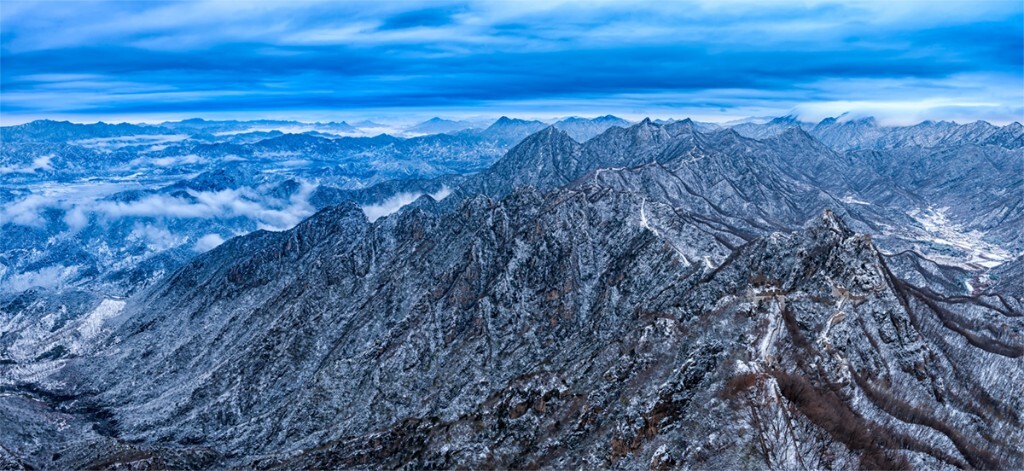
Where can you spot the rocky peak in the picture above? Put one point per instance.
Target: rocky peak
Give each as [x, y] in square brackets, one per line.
[511, 130]
[544, 159]
[795, 133]
[829, 222]
[682, 127]
[550, 141]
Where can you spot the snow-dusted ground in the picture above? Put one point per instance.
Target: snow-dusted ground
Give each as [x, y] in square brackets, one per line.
[643, 219]
[38, 336]
[979, 253]
[91, 326]
[849, 199]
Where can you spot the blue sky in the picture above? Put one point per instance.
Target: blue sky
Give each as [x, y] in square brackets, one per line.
[715, 60]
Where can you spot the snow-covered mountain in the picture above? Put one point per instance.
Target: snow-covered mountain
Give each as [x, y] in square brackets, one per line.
[582, 129]
[658, 295]
[439, 126]
[512, 130]
[844, 133]
[115, 207]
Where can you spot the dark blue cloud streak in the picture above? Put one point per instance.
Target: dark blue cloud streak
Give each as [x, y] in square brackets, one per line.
[413, 56]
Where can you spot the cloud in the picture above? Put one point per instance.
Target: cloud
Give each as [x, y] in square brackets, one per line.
[76, 219]
[442, 193]
[26, 211]
[392, 204]
[374, 212]
[48, 277]
[249, 59]
[110, 143]
[169, 161]
[266, 212]
[156, 238]
[427, 18]
[208, 242]
[42, 162]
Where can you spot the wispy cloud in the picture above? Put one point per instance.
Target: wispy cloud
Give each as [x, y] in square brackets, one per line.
[111, 143]
[298, 58]
[208, 242]
[392, 204]
[47, 277]
[266, 212]
[39, 163]
[26, 211]
[155, 237]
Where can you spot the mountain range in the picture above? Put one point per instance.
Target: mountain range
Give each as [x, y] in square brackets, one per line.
[653, 295]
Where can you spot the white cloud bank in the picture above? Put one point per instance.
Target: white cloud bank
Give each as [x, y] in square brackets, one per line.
[107, 144]
[166, 161]
[396, 202]
[267, 212]
[42, 162]
[208, 242]
[47, 277]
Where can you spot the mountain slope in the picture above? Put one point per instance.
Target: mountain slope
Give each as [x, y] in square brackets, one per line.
[799, 351]
[507, 333]
[652, 298]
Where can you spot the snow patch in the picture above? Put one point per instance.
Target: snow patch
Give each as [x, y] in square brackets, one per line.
[92, 323]
[980, 254]
[643, 218]
[774, 326]
[610, 169]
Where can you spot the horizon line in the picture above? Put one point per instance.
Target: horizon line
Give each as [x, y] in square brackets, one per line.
[490, 119]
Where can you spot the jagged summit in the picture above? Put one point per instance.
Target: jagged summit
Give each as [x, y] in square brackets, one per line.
[798, 139]
[512, 129]
[546, 135]
[829, 221]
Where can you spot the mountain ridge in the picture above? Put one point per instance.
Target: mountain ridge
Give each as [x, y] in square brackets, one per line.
[660, 295]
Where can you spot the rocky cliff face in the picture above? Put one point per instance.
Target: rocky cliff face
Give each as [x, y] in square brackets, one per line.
[656, 297]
